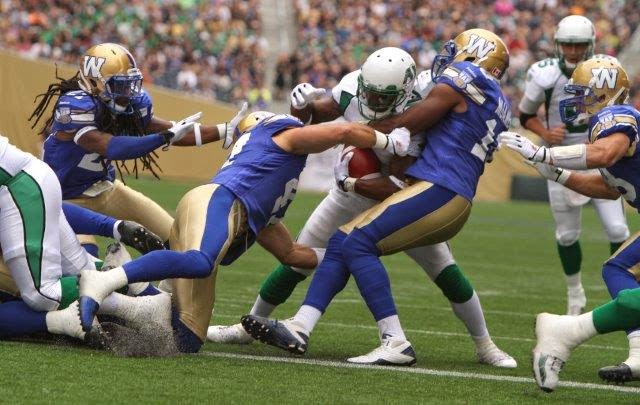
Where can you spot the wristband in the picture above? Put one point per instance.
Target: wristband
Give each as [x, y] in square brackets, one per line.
[399, 183]
[382, 140]
[570, 157]
[196, 133]
[348, 184]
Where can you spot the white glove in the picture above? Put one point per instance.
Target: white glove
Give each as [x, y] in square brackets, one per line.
[399, 140]
[341, 173]
[552, 173]
[525, 147]
[181, 128]
[227, 130]
[303, 94]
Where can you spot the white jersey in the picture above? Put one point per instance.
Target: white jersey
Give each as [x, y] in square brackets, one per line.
[345, 94]
[12, 159]
[545, 84]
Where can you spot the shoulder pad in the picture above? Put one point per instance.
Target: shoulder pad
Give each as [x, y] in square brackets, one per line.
[145, 106]
[344, 91]
[424, 83]
[75, 110]
[612, 119]
[544, 73]
[463, 78]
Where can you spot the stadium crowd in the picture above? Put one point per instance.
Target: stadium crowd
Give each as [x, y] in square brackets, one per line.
[336, 36]
[213, 48]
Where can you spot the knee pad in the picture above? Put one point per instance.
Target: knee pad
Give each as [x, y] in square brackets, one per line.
[454, 285]
[567, 237]
[618, 232]
[629, 299]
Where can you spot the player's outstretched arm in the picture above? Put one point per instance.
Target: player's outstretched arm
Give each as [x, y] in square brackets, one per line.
[604, 152]
[589, 184]
[318, 138]
[309, 105]
[426, 113]
[276, 239]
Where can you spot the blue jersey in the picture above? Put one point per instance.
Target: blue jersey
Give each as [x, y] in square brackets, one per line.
[625, 173]
[458, 146]
[262, 175]
[77, 169]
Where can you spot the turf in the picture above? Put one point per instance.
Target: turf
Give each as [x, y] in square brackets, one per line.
[506, 249]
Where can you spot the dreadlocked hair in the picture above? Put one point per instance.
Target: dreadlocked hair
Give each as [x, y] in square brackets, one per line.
[118, 124]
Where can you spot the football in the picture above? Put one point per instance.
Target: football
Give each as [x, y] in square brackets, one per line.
[363, 164]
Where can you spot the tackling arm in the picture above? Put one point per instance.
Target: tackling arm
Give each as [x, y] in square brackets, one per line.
[426, 113]
[322, 110]
[591, 185]
[276, 239]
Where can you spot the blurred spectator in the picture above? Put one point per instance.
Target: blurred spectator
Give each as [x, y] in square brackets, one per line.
[336, 35]
[213, 47]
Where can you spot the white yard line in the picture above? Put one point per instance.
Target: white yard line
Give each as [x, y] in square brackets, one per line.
[417, 370]
[434, 332]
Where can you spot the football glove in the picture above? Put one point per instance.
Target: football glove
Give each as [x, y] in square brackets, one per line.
[525, 147]
[227, 130]
[399, 140]
[552, 173]
[181, 128]
[138, 237]
[303, 94]
[341, 173]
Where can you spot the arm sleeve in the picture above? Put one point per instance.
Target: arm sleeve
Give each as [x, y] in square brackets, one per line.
[533, 95]
[87, 222]
[131, 147]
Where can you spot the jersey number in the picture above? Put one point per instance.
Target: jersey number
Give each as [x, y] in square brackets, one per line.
[237, 148]
[283, 201]
[484, 148]
[91, 162]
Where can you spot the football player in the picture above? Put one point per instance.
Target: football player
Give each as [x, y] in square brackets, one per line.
[600, 88]
[250, 194]
[462, 116]
[103, 114]
[385, 85]
[574, 41]
[40, 252]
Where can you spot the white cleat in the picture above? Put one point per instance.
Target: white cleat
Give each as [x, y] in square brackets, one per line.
[555, 335]
[391, 352]
[116, 256]
[65, 322]
[493, 356]
[232, 334]
[576, 301]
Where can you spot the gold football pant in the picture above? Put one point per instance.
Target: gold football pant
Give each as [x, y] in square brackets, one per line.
[209, 219]
[123, 202]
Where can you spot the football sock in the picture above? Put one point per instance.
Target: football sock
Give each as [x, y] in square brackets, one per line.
[574, 281]
[17, 318]
[633, 360]
[470, 313]
[142, 289]
[279, 285]
[614, 246]
[115, 278]
[262, 307]
[308, 317]
[390, 327]
[161, 264]
[370, 275]
[623, 313]
[330, 277]
[69, 291]
[571, 257]
[87, 222]
[454, 285]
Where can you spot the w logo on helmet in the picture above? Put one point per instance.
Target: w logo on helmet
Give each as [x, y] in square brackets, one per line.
[602, 76]
[91, 66]
[479, 46]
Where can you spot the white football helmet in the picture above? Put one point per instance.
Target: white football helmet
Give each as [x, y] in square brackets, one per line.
[574, 29]
[386, 81]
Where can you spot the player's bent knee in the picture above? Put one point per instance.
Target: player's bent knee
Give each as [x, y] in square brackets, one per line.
[617, 232]
[567, 238]
[454, 285]
[358, 242]
[200, 264]
[629, 299]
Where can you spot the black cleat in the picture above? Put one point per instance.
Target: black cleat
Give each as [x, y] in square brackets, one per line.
[138, 237]
[287, 335]
[617, 374]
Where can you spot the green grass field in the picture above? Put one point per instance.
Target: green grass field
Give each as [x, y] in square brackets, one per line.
[508, 252]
